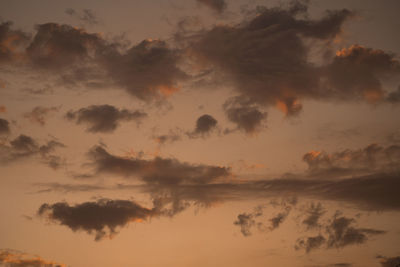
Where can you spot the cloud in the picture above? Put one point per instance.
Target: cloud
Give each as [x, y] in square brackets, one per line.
[370, 159]
[11, 43]
[148, 70]
[13, 258]
[217, 5]
[389, 262]
[39, 114]
[280, 56]
[310, 243]
[246, 116]
[342, 233]
[171, 137]
[205, 124]
[161, 171]
[4, 127]
[246, 221]
[267, 56]
[101, 218]
[103, 118]
[314, 213]
[56, 47]
[23, 147]
[86, 16]
[394, 97]
[357, 71]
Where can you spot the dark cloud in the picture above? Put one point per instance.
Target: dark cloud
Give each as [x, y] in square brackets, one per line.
[103, 118]
[271, 59]
[342, 233]
[13, 258]
[389, 262]
[366, 160]
[278, 219]
[246, 222]
[101, 218]
[162, 171]
[148, 70]
[246, 116]
[356, 72]
[205, 124]
[217, 5]
[87, 16]
[12, 43]
[4, 126]
[394, 97]
[56, 47]
[39, 114]
[267, 57]
[314, 213]
[26, 147]
[310, 243]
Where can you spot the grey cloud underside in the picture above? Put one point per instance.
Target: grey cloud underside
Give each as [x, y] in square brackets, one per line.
[102, 218]
[25, 147]
[104, 118]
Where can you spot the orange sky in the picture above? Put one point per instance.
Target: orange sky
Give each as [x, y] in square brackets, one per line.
[199, 133]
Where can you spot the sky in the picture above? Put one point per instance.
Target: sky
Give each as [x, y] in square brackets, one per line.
[199, 133]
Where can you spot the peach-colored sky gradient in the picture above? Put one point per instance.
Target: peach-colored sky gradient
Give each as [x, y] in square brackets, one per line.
[199, 133]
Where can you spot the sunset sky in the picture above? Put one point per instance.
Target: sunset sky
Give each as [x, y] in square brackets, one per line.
[222, 133]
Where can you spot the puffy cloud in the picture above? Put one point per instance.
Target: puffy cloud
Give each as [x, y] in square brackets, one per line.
[103, 118]
[56, 47]
[246, 116]
[217, 5]
[12, 43]
[39, 114]
[102, 217]
[148, 70]
[267, 57]
[13, 258]
[356, 72]
[4, 126]
[26, 147]
[205, 124]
